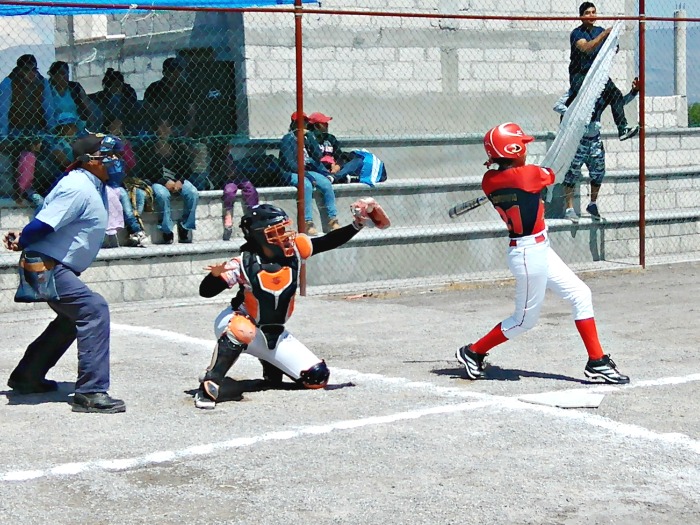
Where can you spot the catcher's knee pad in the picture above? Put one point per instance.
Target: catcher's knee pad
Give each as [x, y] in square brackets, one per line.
[316, 376]
[242, 329]
[225, 355]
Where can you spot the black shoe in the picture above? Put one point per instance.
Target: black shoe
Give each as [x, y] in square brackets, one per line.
[605, 369]
[203, 399]
[473, 362]
[183, 235]
[272, 374]
[99, 402]
[32, 386]
[168, 238]
[628, 133]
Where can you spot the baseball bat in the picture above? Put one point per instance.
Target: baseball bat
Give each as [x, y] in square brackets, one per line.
[464, 207]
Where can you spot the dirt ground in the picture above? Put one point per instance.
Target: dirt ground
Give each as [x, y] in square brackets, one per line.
[399, 436]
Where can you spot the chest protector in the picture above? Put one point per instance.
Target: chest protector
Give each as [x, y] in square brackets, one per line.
[269, 296]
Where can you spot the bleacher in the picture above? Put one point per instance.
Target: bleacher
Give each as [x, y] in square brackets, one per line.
[423, 245]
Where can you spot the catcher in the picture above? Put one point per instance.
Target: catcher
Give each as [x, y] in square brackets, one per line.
[267, 272]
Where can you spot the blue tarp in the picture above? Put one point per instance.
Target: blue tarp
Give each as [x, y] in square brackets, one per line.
[57, 9]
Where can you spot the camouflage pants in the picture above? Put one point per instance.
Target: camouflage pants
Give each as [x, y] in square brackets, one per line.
[590, 152]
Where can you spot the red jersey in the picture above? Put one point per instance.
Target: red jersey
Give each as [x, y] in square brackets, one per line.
[515, 193]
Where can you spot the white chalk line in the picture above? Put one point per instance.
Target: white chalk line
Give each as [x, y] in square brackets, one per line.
[199, 450]
[634, 432]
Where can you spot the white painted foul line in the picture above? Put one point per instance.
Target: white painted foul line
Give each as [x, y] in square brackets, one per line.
[72, 469]
[634, 432]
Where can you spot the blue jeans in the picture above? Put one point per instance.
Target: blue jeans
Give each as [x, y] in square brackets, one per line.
[190, 197]
[129, 218]
[323, 185]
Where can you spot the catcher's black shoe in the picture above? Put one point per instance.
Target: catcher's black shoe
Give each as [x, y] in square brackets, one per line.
[203, 399]
[605, 369]
[472, 362]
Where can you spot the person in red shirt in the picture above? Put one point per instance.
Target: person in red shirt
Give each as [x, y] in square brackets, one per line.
[514, 188]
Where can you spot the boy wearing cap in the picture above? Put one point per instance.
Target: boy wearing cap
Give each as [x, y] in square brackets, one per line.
[67, 233]
[316, 175]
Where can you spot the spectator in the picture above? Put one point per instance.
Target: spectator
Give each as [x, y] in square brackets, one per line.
[235, 181]
[26, 103]
[28, 168]
[134, 193]
[316, 174]
[61, 151]
[67, 234]
[586, 41]
[352, 166]
[590, 152]
[167, 164]
[171, 95]
[69, 97]
[117, 98]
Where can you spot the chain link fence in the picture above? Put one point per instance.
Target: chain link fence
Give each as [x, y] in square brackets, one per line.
[397, 103]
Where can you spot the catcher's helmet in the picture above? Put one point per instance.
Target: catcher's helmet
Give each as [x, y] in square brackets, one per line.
[269, 225]
[507, 141]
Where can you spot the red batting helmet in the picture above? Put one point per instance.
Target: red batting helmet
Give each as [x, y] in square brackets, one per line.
[507, 141]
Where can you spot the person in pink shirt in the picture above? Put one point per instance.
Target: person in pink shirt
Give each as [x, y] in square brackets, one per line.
[27, 173]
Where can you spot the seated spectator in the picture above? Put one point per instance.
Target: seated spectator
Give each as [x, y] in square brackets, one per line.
[27, 170]
[60, 151]
[69, 97]
[316, 174]
[235, 181]
[117, 98]
[351, 166]
[167, 165]
[135, 195]
[26, 103]
[171, 95]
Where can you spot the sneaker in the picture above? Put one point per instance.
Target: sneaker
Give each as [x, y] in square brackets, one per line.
[183, 235]
[472, 362]
[628, 133]
[571, 215]
[605, 369]
[333, 224]
[311, 229]
[592, 208]
[97, 403]
[168, 238]
[138, 239]
[31, 386]
[203, 400]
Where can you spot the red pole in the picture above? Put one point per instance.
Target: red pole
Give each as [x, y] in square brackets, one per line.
[642, 135]
[301, 222]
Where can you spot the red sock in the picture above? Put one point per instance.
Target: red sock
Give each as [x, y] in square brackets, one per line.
[589, 334]
[494, 338]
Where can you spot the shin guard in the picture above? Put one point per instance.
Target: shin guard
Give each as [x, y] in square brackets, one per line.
[225, 355]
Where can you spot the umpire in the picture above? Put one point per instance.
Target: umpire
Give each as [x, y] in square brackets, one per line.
[68, 231]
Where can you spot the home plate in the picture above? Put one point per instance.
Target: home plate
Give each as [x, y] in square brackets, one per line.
[571, 399]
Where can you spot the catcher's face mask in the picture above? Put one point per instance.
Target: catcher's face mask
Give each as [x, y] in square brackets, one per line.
[281, 235]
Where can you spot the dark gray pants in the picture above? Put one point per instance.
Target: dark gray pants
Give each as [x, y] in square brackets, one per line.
[82, 315]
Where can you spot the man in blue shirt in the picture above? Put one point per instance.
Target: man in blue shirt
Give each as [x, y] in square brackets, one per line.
[586, 41]
[67, 233]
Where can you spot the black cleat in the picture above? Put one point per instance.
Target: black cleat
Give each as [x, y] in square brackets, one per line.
[98, 403]
[605, 369]
[472, 362]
